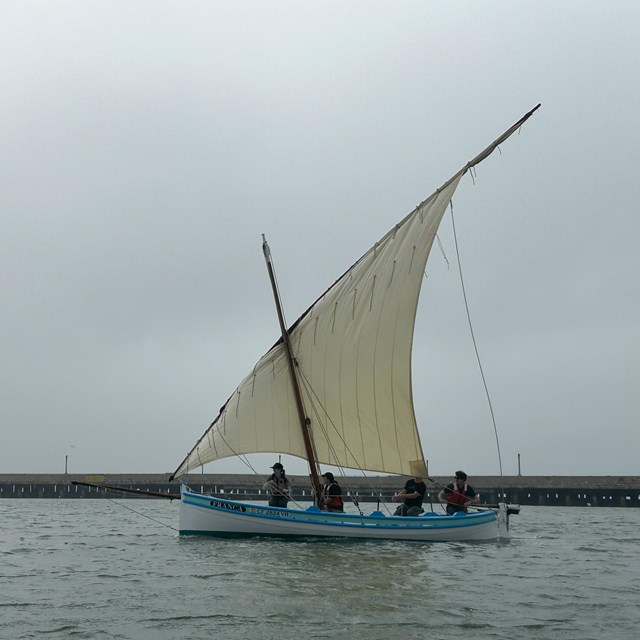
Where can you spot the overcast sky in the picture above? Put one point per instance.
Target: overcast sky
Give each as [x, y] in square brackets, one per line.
[145, 146]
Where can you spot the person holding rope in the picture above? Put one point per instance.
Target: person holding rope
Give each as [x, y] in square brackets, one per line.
[279, 487]
[458, 495]
[411, 497]
[331, 496]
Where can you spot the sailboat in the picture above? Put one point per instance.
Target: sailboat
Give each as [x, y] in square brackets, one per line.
[335, 389]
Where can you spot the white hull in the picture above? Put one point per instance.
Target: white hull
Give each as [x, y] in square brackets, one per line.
[207, 515]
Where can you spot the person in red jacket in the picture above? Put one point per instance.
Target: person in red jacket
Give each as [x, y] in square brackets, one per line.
[331, 496]
[458, 495]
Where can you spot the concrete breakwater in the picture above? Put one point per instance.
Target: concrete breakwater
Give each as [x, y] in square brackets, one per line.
[573, 491]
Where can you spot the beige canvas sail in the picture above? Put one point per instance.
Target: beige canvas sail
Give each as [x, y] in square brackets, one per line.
[352, 349]
[353, 354]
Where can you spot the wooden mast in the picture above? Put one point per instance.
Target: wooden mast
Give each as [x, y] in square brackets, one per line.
[305, 422]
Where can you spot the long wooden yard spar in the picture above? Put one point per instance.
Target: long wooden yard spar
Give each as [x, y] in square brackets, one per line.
[305, 422]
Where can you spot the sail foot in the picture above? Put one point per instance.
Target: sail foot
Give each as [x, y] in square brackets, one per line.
[418, 468]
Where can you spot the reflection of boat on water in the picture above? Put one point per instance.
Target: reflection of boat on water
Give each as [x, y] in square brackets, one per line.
[336, 390]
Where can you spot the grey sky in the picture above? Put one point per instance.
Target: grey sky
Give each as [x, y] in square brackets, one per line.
[147, 145]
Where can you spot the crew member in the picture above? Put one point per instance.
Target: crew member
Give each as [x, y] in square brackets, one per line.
[458, 495]
[331, 496]
[279, 487]
[411, 497]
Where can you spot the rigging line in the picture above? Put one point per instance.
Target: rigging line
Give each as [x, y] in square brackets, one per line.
[243, 458]
[473, 338]
[332, 449]
[444, 255]
[289, 497]
[144, 515]
[312, 394]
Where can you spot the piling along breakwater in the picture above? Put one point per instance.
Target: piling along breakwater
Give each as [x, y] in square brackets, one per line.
[564, 491]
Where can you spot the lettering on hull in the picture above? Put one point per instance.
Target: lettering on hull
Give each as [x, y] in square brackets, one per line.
[226, 505]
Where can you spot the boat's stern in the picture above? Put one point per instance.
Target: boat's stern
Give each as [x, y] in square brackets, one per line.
[504, 511]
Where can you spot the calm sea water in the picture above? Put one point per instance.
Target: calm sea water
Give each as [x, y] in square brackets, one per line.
[96, 569]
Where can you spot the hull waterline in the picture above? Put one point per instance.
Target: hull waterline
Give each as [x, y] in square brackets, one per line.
[207, 515]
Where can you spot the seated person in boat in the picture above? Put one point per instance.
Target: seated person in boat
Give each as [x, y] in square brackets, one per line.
[458, 495]
[331, 496]
[411, 497]
[279, 487]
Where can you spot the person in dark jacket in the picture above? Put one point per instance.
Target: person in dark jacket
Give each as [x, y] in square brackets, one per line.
[279, 487]
[411, 497]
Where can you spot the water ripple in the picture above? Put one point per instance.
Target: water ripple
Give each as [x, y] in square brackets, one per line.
[96, 572]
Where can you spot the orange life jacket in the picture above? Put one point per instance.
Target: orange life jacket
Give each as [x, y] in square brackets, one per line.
[334, 502]
[457, 496]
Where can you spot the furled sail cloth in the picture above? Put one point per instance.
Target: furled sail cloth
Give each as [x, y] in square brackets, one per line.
[352, 349]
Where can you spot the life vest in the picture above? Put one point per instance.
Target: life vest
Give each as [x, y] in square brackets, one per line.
[281, 483]
[335, 502]
[279, 492]
[457, 496]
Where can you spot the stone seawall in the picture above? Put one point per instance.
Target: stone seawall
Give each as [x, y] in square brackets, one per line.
[596, 491]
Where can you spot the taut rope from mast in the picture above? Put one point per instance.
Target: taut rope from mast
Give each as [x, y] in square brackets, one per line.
[473, 338]
[315, 402]
[470, 167]
[245, 460]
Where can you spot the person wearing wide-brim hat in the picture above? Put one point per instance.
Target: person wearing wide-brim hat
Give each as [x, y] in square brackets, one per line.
[279, 486]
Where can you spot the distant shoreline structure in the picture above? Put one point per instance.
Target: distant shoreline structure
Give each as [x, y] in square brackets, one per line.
[564, 491]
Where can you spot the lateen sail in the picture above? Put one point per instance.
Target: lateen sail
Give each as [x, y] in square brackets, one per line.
[353, 353]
